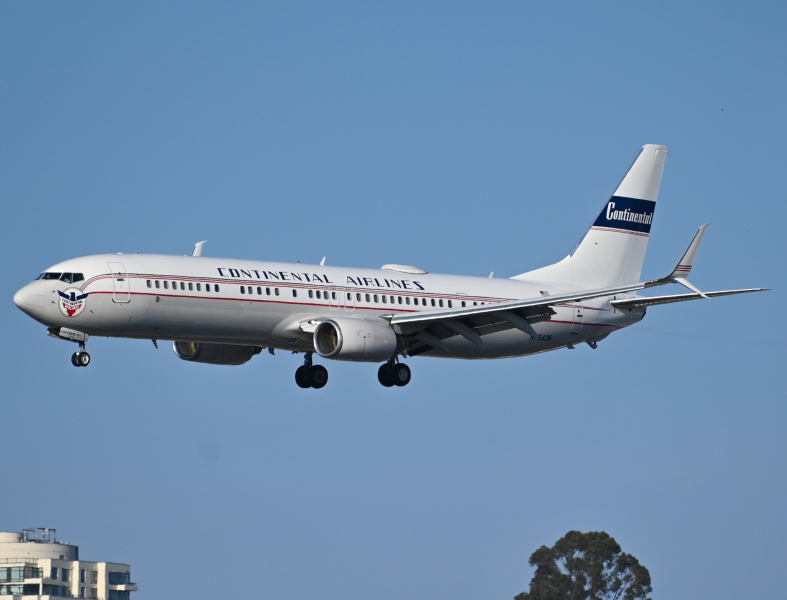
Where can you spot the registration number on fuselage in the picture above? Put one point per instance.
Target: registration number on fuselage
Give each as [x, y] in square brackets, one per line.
[541, 338]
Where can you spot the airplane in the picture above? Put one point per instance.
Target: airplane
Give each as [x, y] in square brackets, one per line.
[225, 311]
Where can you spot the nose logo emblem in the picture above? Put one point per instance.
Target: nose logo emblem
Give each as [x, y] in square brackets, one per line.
[72, 302]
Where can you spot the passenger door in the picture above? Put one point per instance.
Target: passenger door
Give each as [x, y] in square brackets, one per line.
[121, 290]
[579, 319]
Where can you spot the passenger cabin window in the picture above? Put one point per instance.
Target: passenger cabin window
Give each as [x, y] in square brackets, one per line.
[191, 286]
[243, 289]
[158, 284]
[216, 287]
[276, 290]
[199, 287]
[450, 304]
[407, 300]
[311, 294]
[432, 301]
[440, 302]
[357, 297]
[182, 285]
[294, 293]
[318, 293]
[385, 299]
[207, 287]
[463, 303]
[267, 291]
[149, 284]
[259, 290]
[368, 298]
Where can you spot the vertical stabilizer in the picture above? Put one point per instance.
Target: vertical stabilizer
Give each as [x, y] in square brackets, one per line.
[613, 249]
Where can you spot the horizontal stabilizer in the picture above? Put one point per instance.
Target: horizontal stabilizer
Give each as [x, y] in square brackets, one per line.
[642, 301]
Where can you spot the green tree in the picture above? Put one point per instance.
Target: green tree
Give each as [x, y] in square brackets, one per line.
[586, 566]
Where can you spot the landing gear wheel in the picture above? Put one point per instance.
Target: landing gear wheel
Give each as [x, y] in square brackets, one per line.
[302, 377]
[74, 361]
[384, 375]
[400, 374]
[82, 358]
[318, 376]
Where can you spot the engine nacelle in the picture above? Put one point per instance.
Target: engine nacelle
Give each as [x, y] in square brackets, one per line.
[347, 338]
[215, 354]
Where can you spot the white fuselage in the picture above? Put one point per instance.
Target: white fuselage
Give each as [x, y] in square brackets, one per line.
[264, 304]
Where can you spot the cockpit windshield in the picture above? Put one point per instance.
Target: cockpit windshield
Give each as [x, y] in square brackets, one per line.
[64, 277]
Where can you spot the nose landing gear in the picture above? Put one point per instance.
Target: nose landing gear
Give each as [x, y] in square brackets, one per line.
[80, 358]
[393, 373]
[309, 375]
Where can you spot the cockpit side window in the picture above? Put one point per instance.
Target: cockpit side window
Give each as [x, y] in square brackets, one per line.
[78, 277]
[67, 277]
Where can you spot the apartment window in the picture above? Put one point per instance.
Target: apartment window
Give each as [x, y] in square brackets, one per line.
[119, 578]
[157, 284]
[294, 293]
[82, 579]
[93, 579]
[119, 595]
[82, 592]
[149, 285]
[92, 592]
[53, 573]
[64, 574]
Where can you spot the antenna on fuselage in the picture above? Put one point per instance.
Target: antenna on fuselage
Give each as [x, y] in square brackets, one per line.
[198, 248]
[322, 262]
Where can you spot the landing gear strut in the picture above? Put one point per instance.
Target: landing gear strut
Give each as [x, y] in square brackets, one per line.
[80, 358]
[309, 375]
[393, 373]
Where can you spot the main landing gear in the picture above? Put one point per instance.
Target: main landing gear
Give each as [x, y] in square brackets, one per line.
[393, 373]
[309, 375]
[80, 358]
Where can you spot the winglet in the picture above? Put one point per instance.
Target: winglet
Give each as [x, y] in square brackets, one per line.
[686, 262]
[198, 248]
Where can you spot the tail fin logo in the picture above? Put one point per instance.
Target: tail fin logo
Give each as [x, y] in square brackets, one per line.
[629, 215]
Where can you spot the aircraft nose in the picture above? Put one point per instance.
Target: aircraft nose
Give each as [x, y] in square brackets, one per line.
[27, 301]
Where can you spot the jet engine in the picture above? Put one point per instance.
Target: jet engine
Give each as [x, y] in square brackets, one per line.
[215, 354]
[346, 338]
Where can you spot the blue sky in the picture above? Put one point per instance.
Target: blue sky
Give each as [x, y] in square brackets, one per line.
[458, 137]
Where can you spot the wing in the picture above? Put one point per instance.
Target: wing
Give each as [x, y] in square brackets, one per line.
[422, 332]
[633, 302]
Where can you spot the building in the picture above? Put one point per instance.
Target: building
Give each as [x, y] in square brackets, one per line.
[34, 564]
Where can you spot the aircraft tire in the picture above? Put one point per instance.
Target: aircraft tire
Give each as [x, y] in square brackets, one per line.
[400, 374]
[318, 376]
[83, 358]
[384, 376]
[74, 359]
[302, 377]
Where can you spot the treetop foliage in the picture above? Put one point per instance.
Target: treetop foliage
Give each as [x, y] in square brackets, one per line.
[586, 566]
